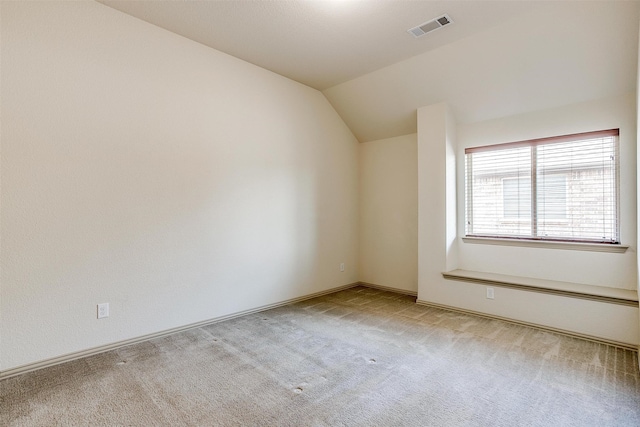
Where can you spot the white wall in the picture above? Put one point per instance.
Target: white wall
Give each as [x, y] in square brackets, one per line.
[592, 268]
[145, 170]
[437, 140]
[389, 212]
[437, 244]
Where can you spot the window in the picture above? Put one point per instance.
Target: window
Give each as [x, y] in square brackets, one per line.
[562, 188]
[516, 198]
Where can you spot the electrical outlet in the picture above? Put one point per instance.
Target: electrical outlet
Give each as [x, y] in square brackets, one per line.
[103, 310]
[489, 293]
[342, 266]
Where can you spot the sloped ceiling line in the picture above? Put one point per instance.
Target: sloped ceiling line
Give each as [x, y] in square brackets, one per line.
[500, 58]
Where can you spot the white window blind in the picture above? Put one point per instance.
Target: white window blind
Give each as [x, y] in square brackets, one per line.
[561, 188]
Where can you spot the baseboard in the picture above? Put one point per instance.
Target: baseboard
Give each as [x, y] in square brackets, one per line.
[389, 289]
[108, 347]
[599, 340]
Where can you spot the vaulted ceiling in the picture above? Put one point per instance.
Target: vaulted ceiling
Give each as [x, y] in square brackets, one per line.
[497, 58]
[319, 42]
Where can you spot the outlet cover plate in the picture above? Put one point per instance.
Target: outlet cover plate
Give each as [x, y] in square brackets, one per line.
[490, 294]
[103, 310]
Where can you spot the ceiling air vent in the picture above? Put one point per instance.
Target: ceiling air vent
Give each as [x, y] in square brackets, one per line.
[429, 26]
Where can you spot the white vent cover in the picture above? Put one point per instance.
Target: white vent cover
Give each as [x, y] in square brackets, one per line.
[429, 26]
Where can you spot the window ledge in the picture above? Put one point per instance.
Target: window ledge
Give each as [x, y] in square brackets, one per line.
[566, 289]
[595, 247]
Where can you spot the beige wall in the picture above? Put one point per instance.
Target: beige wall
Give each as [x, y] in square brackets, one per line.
[514, 81]
[438, 141]
[388, 166]
[389, 212]
[591, 268]
[181, 184]
[173, 181]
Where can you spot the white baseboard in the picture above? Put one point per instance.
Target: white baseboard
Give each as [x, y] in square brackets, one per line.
[626, 346]
[389, 289]
[107, 347]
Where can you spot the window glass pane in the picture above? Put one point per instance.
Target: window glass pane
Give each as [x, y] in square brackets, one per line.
[500, 181]
[516, 193]
[571, 193]
[586, 193]
[552, 197]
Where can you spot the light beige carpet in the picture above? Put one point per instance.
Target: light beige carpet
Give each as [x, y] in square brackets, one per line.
[360, 357]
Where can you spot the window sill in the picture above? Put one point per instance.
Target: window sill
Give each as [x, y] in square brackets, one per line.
[594, 247]
[565, 289]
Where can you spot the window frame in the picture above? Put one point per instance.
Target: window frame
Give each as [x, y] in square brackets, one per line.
[533, 144]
